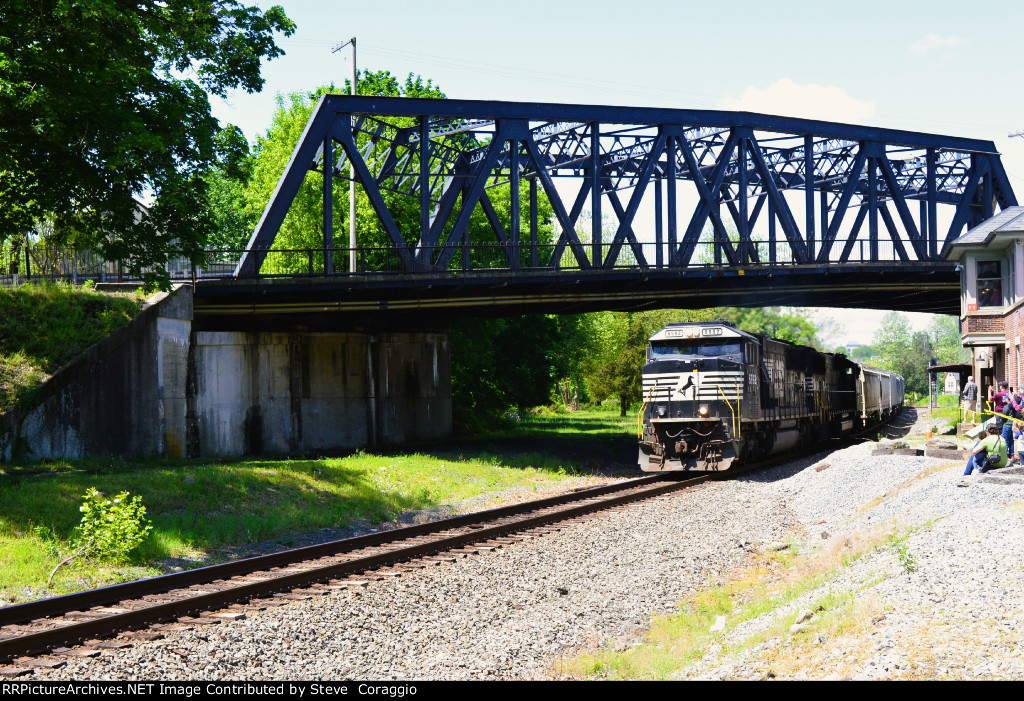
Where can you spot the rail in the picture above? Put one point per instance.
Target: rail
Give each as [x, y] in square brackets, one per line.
[37, 626]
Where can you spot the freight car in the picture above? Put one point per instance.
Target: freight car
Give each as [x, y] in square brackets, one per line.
[717, 397]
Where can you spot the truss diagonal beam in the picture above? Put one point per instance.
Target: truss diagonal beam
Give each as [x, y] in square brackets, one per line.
[721, 236]
[708, 206]
[444, 157]
[568, 225]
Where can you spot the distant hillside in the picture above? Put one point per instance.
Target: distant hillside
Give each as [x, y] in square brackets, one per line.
[42, 327]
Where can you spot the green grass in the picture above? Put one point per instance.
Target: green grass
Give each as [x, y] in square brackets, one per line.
[200, 510]
[42, 327]
[682, 638]
[585, 424]
[943, 400]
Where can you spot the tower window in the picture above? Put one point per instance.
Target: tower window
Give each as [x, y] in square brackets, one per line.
[990, 283]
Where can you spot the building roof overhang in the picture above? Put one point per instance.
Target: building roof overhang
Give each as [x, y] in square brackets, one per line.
[983, 339]
[1002, 228]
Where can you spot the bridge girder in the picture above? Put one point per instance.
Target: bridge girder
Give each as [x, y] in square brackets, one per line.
[447, 155]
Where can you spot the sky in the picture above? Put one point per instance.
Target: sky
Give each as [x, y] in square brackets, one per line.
[939, 67]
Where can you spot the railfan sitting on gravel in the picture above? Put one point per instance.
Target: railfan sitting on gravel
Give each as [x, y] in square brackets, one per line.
[717, 397]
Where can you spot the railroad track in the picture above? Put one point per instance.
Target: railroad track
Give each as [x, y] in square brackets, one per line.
[39, 633]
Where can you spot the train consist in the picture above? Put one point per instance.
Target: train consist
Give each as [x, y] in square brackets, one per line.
[717, 397]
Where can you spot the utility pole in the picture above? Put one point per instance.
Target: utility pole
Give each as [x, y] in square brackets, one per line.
[352, 168]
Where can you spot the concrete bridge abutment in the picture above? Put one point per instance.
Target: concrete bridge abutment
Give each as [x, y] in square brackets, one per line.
[168, 386]
[306, 391]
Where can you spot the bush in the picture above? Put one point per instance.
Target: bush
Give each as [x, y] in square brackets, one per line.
[110, 529]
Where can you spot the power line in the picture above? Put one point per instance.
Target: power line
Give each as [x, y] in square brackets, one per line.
[693, 98]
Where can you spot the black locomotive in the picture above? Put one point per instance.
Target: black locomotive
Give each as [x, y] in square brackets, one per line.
[716, 397]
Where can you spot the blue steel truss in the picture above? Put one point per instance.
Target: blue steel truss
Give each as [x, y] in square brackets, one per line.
[747, 173]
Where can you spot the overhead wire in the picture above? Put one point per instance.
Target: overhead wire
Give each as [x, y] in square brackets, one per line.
[692, 97]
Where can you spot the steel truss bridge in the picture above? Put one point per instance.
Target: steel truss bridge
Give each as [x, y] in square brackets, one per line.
[651, 207]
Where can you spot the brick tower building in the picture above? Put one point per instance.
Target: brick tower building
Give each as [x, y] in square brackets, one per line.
[990, 259]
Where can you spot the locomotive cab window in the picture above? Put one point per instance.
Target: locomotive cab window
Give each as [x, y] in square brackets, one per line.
[990, 283]
[709, 349]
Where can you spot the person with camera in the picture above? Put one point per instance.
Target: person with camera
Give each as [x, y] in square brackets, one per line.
[989, 453]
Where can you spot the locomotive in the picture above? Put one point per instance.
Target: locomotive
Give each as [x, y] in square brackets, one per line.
[717, 397]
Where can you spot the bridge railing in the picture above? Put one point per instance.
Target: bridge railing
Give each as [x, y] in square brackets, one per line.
[53, 264]
[41, 262]
[474, 258]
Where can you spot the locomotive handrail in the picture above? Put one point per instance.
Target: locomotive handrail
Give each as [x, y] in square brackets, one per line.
[739, 412]
[729, 404]
[643, 408]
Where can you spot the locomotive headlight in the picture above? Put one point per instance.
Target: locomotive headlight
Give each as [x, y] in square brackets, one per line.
[703, 410]
[661, 411]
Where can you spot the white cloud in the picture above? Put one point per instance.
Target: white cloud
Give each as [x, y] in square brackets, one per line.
[785, 97]
[935, 41]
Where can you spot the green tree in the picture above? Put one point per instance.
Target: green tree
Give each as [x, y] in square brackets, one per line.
[915, 368]
[775, 322]
[510, 363]
[576, 357]
[944, 332]
[303, 226]
[864, 353]
[618, 369]
[892, 340]
[619, 348]
[226, 182]
[103, 102]
[902, 351]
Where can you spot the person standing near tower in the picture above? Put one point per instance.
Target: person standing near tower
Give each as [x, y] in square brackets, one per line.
[970, 396]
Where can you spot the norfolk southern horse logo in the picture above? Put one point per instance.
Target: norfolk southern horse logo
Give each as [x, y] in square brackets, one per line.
[682, 388]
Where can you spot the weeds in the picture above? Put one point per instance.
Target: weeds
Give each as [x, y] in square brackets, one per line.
[761, 592]
[898, 544]
[204, 512]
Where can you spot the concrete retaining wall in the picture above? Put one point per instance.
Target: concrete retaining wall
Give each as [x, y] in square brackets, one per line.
[279, 393]
[158, 387]
[122, 396]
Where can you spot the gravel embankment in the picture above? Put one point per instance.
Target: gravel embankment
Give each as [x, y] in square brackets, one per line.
[957, 614]
[510, 613]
